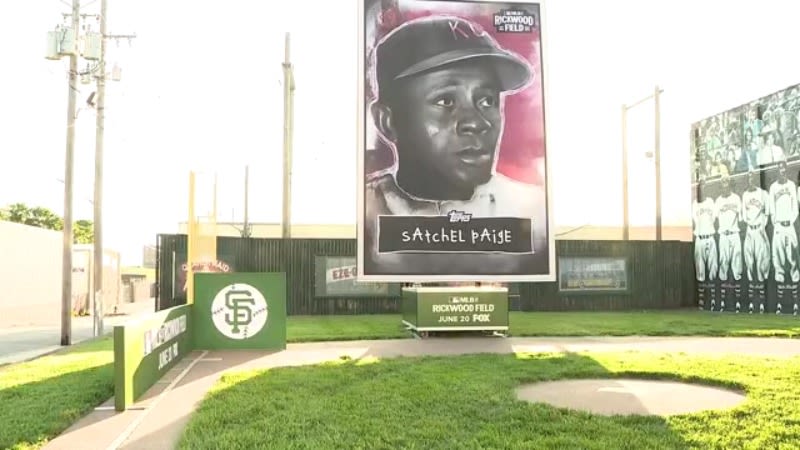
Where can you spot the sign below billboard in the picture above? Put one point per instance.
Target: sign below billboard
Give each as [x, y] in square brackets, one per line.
[455, 309]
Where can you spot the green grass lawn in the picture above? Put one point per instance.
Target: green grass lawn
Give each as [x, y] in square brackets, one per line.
[41, 398]
[651, 323]
[661, 323]
[468, 402]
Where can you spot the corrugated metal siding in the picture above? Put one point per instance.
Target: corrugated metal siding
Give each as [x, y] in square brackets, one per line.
[689, 279]
[661, 275]
[168, 245]
[296, 258]
[657, 276]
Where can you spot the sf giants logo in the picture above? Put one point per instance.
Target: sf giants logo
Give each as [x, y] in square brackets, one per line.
[240, 309]
[464, 30]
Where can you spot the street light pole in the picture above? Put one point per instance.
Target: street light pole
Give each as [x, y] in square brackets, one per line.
[657, 153]
[66, 268]
[625, 213]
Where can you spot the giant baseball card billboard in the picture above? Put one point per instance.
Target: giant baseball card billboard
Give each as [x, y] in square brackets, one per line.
[453, 167]
[746, 205]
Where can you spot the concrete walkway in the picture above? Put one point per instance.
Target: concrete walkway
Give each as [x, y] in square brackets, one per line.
[23, 343]
[158, 419]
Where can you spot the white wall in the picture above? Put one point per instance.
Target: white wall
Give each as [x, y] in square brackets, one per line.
[83, 277]
[30, 275]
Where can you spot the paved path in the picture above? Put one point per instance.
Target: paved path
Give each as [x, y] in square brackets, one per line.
[157, 420]
[24, 343]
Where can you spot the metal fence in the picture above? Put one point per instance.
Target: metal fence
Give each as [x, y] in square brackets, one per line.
[658, 275]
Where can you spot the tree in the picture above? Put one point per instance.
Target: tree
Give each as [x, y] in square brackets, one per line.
[83, 230]
[17, 212]
[37, 217]
[44, 218]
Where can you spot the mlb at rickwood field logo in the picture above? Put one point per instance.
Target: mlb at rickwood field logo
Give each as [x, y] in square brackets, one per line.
[239, 311]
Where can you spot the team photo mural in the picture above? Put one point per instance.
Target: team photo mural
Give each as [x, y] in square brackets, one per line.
[746, 205]
[453, 164]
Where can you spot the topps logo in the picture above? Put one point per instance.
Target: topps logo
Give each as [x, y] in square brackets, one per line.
[459, 216]
[514, 21]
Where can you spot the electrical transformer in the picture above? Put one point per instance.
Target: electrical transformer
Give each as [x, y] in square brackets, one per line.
[91, 46]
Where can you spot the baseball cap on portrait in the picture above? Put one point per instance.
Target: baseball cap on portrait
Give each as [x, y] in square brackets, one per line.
[424, 44]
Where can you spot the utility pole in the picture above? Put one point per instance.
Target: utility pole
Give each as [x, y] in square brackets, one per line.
[288, 114]
[97, 300]
[66, 269]
[100, 109]
[246, 231]
[67, 40]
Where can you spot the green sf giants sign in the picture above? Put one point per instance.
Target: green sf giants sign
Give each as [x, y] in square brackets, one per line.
[147, 348]
[240, 311]
[455, 308]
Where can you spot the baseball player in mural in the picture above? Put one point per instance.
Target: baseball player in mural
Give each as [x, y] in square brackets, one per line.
[755, 202]
[441, 82]
[784, 210]
[705, 248]
[729, 212]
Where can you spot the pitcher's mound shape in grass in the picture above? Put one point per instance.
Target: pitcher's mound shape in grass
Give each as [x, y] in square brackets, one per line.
[610, 397]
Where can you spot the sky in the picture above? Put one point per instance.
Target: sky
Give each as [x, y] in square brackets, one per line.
[201, 90]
